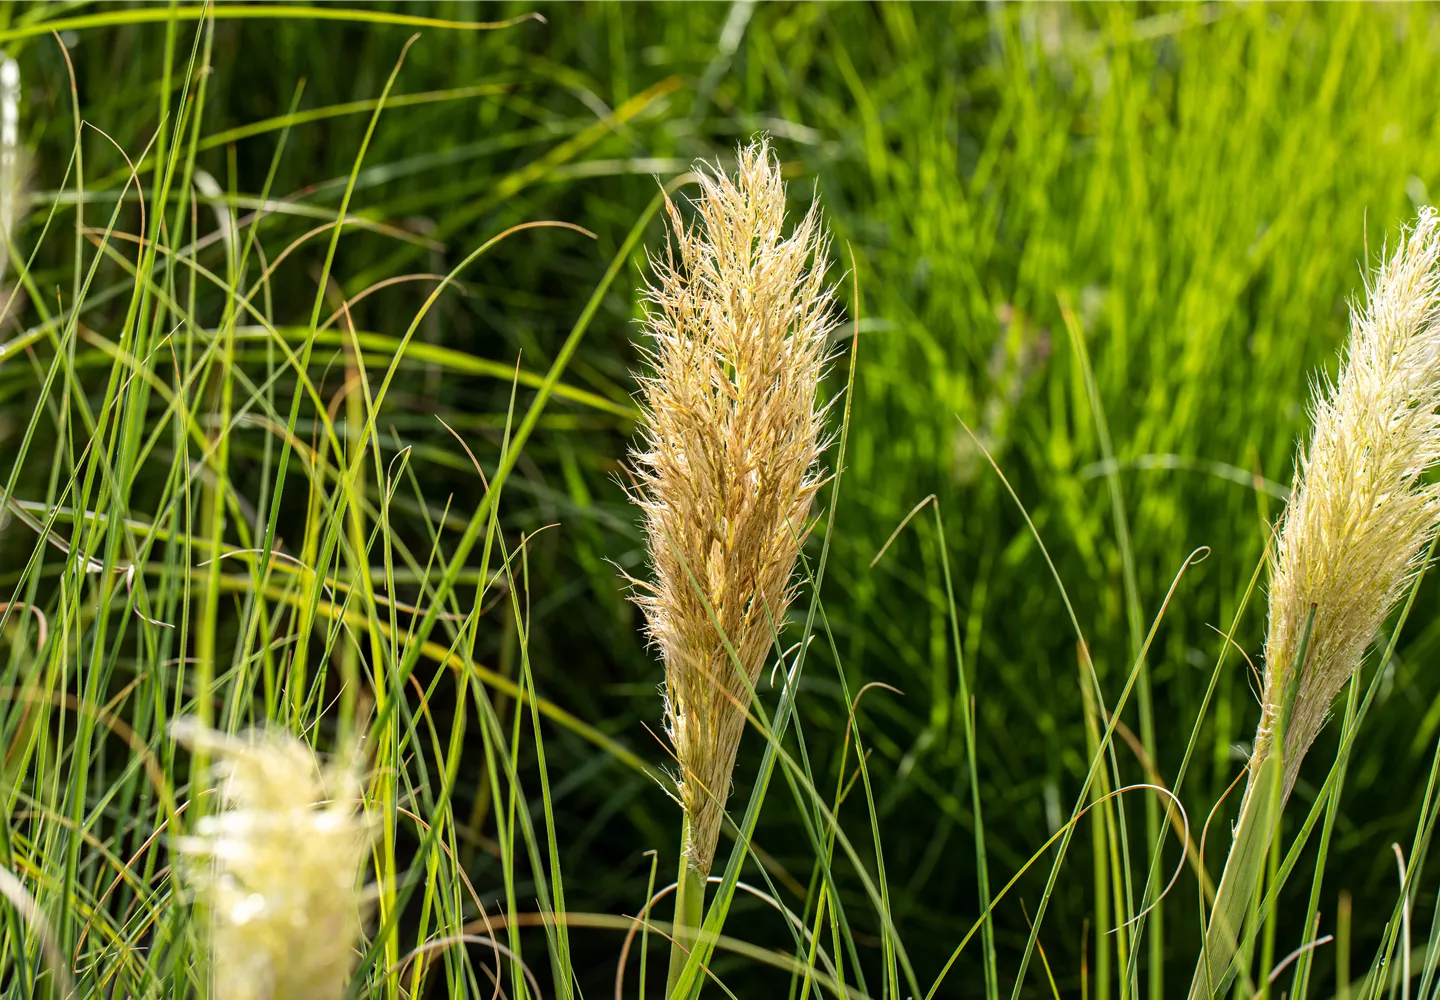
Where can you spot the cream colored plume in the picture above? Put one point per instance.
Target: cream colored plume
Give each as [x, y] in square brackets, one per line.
[739, 314]
[1361, 516]
[277, 868]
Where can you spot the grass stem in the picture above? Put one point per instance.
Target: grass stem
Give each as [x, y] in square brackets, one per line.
[689, 912]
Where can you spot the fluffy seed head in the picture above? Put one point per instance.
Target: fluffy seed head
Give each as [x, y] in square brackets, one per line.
[739, 316]
[1361, 516]
[278, 868]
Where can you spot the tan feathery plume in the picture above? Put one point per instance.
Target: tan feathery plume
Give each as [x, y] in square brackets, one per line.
[1360, 517]
[278, 868]
[740, 315]
[1354, 533]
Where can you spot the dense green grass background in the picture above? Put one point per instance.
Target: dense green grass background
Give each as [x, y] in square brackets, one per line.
[1191, 193]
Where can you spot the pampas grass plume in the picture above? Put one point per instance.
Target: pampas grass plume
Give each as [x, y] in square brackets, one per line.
[1361, 516]
[739, 315]
[277, 868]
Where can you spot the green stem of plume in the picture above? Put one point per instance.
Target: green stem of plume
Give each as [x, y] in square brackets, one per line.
[689, 912]
[1238, 896]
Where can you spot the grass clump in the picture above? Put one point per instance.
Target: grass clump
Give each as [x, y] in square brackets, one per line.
[314, 409]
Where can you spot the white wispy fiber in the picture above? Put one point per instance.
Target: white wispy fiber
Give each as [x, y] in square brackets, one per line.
[278, 868]
[1361, 515]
